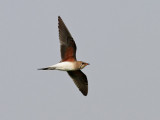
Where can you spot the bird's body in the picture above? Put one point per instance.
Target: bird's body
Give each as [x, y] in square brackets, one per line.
[69, 62]
[65, 66]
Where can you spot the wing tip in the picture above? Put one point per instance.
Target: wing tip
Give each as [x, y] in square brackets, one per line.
[59, 17]
[84, 91]
[85, 94]
[60, 23]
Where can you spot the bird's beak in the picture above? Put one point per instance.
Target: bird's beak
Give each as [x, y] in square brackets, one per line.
[88, 64]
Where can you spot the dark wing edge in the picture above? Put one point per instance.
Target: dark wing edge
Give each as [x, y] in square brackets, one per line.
[80, 80]
[63, 31]
[68, 46]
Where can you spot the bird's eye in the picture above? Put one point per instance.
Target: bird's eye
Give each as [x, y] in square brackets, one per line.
[81, 65]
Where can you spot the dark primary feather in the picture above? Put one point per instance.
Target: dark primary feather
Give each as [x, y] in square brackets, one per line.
[80, 80]
[67, 44]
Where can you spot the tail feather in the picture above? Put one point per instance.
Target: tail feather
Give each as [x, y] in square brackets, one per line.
[43, 69]
[47, 68]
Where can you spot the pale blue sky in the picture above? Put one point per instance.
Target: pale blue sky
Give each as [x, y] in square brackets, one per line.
[119, 38]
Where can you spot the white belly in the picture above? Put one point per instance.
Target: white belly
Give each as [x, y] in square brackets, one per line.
[65, 66]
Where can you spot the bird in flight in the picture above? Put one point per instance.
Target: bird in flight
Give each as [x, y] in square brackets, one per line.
[68, 61]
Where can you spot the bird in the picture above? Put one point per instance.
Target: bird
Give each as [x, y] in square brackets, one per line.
[68, 61]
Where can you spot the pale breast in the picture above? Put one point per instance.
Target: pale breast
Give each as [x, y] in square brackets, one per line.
[66, 66]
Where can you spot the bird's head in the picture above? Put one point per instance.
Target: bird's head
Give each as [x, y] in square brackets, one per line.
[83, 64]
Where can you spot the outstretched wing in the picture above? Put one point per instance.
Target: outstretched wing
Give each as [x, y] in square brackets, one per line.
[80, 79]
[67, 44]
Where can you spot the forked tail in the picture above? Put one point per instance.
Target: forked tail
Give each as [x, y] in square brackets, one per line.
[47, 68]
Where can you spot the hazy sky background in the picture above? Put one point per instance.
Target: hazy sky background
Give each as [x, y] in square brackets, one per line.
[119, 38]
